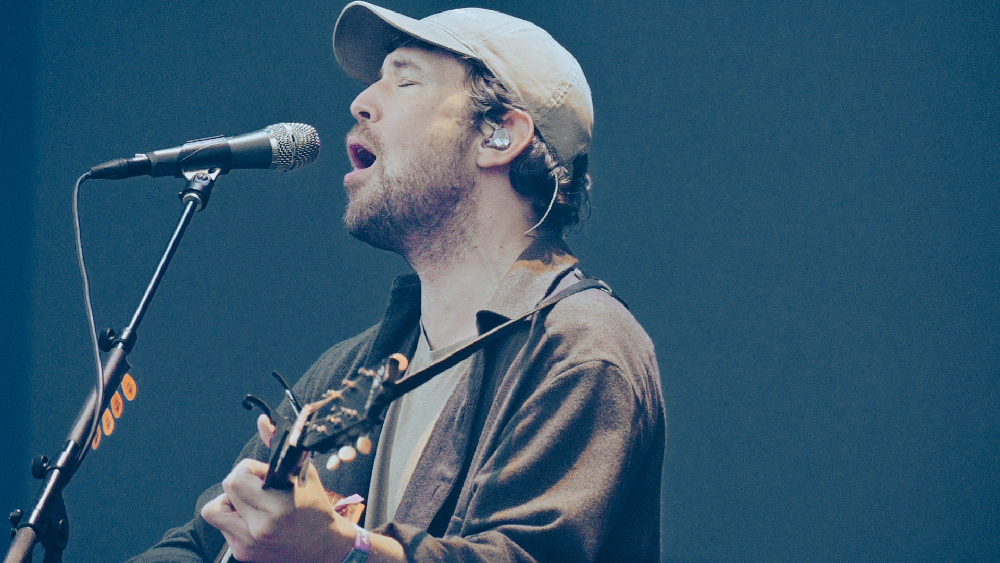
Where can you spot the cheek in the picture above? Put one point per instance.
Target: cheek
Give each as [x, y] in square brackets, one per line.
[413, 137]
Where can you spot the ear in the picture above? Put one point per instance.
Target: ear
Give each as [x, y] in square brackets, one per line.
[520, 127]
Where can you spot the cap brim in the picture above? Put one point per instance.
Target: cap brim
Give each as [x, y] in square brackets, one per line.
[365, 34]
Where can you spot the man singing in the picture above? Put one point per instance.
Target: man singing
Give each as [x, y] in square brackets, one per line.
[469, 160]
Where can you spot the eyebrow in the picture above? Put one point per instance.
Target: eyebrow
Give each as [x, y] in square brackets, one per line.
[400, 64]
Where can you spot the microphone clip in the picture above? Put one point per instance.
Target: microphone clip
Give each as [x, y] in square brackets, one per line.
[199, 186]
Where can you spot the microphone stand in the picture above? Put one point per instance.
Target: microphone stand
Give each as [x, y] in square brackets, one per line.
[48, 522]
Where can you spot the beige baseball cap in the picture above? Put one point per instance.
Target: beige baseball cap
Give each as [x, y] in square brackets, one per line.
[527, 61]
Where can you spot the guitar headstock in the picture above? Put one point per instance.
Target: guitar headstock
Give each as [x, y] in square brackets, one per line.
[341, 420]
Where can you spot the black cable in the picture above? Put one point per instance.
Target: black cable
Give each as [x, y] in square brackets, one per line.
[85, 447]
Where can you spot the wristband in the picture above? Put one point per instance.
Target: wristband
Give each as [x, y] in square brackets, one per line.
[362, 547]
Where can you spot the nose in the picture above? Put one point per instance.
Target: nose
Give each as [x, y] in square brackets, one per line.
[365, 106]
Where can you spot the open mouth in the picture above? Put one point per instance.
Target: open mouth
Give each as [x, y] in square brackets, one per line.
[361, 157]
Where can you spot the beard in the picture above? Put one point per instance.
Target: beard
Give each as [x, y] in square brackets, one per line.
[415, 204]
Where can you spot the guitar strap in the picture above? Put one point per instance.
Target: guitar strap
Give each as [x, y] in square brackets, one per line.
[411, 382]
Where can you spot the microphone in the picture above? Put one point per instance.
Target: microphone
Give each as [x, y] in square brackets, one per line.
[282, 146]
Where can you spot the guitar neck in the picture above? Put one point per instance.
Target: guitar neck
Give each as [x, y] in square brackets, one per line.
[291, 452]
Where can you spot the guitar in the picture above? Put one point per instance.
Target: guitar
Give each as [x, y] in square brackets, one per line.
[337, 421]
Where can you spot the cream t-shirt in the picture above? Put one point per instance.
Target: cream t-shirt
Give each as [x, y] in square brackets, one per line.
[408, 425]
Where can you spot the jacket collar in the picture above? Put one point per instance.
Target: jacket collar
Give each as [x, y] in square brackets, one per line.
[532, 277]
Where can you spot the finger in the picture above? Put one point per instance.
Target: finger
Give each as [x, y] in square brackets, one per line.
[213, 507]
[220, 513]
[252, 514]
[309, 491]
[233, 528]
[311, 475]
[252, 467]
[244, 488]
[265, 429]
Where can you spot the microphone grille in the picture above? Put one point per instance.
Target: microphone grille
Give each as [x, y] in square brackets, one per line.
[297, 145]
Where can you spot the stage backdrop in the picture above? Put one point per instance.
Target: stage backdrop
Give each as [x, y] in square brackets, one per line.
[799, 201]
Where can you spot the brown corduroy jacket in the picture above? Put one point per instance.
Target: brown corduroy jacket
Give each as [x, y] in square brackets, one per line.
[550, 450]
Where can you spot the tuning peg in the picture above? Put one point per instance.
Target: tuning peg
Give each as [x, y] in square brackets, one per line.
[364, 445]
[397, 367]
[332, 463]
[347, 453]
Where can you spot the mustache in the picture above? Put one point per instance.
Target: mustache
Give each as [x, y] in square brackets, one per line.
[370, 138]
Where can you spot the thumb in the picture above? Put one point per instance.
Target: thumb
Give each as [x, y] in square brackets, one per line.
[265, 429]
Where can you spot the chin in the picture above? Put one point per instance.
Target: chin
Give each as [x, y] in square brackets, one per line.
[369, 222]
[374, 237]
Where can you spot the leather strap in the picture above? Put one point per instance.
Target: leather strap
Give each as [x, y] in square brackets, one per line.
[415, 380]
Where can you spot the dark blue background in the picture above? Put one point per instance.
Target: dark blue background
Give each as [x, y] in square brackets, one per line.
[799, 200]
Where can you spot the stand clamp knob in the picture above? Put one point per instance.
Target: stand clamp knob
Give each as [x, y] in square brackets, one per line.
[39, 465]
[15, 519]
[106, 340]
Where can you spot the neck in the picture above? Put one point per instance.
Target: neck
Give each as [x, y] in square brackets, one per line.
[458, 281]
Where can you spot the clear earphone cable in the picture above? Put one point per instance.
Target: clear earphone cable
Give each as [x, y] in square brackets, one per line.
[552, 202]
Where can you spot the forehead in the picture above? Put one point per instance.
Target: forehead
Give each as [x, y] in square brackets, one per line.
[429, 62]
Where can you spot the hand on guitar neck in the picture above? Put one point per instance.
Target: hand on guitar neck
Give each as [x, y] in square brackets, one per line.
[264, 525]
[349, 507]
[280, 512]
